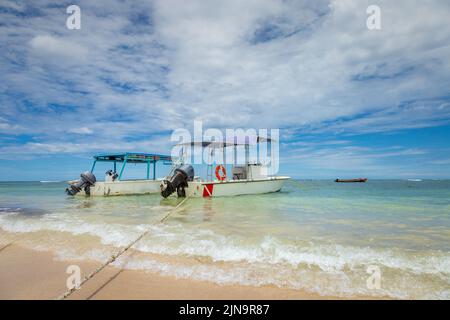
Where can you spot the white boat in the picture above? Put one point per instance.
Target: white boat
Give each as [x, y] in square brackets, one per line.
[246, 179]
[235, 187]
[114, 185]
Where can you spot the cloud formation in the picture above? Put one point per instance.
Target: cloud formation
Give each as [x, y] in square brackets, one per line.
[138, 69]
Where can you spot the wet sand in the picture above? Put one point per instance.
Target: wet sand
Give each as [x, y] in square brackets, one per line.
[31, 274]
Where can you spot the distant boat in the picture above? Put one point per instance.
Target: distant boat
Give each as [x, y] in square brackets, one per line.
[351, 180]
[414, 180]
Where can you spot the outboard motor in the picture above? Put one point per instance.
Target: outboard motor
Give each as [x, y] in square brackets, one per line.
[178, 181]
[87, 180]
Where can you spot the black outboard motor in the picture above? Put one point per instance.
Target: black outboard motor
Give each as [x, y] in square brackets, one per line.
[178, 181]
[87, 180]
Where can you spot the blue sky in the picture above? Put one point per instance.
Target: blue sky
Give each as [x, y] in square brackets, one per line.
[348, 101]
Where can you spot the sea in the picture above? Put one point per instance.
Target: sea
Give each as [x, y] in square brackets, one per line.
[380, 239]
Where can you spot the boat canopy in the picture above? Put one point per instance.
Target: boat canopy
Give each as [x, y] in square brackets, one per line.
[224, 144]
[132, 157]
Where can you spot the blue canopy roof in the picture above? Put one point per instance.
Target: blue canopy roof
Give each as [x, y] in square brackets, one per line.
[132, 157]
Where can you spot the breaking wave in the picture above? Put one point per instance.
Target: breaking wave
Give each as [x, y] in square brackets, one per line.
[325, 268]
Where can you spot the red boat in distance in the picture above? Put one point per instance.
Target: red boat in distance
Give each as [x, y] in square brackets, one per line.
[351, 180]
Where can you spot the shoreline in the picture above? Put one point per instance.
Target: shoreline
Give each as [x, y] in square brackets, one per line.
[46, 279]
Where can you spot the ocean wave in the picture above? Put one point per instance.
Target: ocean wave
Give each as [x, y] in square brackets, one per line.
[321, 284]
[18, 211]
[174, 240]
[9, 210]
[177, 240]
[322, 268]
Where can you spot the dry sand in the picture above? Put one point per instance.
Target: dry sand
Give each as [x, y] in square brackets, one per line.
[30, 274]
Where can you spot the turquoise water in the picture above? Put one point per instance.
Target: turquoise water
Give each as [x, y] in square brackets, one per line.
[317, 236]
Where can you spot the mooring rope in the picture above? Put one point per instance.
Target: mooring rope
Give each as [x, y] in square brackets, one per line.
[6, 246]
[13, 242]
[117, 255]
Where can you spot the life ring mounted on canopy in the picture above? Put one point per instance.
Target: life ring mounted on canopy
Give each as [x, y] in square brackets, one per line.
[223, 176]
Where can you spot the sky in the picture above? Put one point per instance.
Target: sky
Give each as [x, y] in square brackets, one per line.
[348, 101]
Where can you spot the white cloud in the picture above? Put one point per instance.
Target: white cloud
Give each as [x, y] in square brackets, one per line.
[139, 69]
[53, 47]
[7, 127]
[81, 130]
[352, 161]
[308, 77]
[12, 5]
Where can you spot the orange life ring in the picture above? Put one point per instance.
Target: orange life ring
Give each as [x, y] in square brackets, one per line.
[224, 173]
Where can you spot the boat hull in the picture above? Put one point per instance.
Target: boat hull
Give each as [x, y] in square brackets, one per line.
[234, 187]
[123, 187]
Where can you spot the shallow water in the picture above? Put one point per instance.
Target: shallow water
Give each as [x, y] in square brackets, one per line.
[318, 236]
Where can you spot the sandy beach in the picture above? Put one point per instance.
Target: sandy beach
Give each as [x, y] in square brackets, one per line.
[32, 274]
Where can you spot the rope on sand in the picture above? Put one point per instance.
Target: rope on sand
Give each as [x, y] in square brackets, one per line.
[14, 241]
[117, 255]
[6, 246]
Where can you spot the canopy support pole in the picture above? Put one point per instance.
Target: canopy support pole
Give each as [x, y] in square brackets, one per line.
[123, 167]
[93, 166]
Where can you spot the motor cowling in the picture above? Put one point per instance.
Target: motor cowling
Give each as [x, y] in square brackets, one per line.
[178, 181]
[87, 179]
